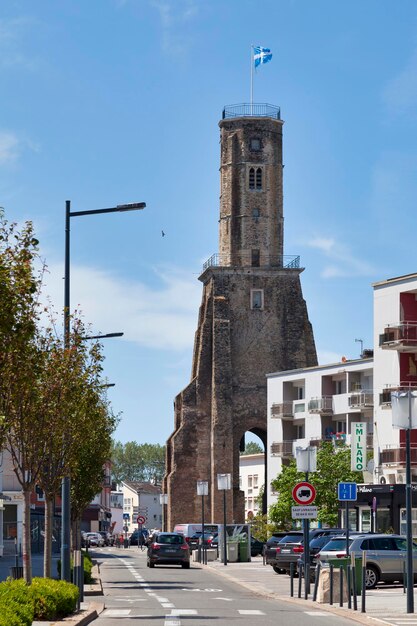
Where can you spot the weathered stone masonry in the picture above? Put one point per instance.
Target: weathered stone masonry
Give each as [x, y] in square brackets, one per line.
[253, 320]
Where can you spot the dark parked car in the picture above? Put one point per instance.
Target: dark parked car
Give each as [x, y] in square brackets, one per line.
[108, 538]
[280, 554]
[194, 540]
[169, 549]
[256, 546]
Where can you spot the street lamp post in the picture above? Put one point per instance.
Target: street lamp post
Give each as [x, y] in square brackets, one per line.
[163, 499]
[402, 417]
[202, 490]
[224, 483]
[66, 484]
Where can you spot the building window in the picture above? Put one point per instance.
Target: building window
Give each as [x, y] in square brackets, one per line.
[255, 144]
[256, 213]
[255, 260]
[255, 481]
[252, 178]
[249, 481]
[300, 393]
[257, 299]
[259, 178]
[299, 431]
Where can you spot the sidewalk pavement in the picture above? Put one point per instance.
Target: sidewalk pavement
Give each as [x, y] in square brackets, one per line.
[88, 610]
[386, 603]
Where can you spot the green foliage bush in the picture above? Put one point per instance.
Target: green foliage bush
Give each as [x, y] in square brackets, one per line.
[45, 598]
[88, 566]
[16, 605]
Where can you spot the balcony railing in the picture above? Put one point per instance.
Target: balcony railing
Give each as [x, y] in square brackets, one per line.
[361, 399]
[323, 405]
[282, 449]
[385, 396]
[284, 409]
[242, 259]
[397, 456]
[251, 110]
[401, 337]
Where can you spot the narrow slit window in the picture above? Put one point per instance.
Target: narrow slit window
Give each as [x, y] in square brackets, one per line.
[255, 144]
[259, 178]
[255, 261]
[257, 299]
[252, 178]
[256, 213]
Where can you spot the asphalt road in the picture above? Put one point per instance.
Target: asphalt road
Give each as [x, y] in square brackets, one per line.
[172, 596]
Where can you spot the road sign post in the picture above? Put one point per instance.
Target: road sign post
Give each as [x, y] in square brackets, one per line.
[347, 492]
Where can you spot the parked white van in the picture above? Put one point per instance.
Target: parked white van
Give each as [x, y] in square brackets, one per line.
[188, 530]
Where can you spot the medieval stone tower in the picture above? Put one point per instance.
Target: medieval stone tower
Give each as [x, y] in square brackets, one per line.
[253, 320]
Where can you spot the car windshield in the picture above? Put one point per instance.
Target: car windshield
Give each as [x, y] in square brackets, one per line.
[171, 539]
[294, 538]
[318, 542]
[338, 543]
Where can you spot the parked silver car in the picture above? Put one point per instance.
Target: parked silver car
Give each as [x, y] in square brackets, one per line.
[385, 556]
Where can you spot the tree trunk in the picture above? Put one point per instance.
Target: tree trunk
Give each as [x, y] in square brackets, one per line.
[26, 539]
[47, 551]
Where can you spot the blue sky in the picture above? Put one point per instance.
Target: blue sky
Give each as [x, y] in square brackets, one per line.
[111, 101]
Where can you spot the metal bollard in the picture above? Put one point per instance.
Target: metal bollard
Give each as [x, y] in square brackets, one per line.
[300, 576]
[404, 578]
[341, 587]
[349, 585]
[291, 580]
[331, 567]
[316, 581]
[363, 596]
[355, 598]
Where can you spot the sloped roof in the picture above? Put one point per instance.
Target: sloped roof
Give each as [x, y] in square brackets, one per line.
[141, 487]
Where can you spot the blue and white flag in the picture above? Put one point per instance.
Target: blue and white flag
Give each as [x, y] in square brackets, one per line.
[261, 55]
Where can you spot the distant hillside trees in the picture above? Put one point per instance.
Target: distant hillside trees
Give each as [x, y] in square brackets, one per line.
[138, 462]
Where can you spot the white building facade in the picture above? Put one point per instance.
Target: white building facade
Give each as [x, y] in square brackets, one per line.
[252, 479]
[141, 499]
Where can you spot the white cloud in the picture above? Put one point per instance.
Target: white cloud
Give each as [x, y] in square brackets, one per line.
[9, 148]
[173, 15]
[343, 262]
[161, 317]
[400, 93]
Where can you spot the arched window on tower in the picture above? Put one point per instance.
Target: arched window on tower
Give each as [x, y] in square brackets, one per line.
[259, 178]
[252, 178]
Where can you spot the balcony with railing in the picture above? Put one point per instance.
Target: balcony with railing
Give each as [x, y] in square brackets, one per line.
[385, 396]
[361, 399]
[401, 337]
[322, 405]
[251, 110]
[282, 410]
[243, 259]
[282, 449]
[395, 455]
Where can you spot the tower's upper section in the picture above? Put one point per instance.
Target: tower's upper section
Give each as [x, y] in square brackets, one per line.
[251, 193]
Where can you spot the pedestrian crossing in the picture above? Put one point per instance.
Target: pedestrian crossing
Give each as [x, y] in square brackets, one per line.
[175, 613]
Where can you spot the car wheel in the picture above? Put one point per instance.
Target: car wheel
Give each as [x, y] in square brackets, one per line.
[278, 570]
[371, 577]
[185, 565]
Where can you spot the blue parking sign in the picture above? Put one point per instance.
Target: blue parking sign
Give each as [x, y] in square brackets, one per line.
[347, 492]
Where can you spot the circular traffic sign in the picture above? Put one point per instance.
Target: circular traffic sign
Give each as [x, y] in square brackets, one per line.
[140, 519]
[304, 493]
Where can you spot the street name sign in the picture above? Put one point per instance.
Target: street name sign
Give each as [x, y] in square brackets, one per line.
[303, 512]
[347, 492]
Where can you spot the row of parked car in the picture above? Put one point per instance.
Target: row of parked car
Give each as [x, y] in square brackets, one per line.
[97, 539]
[211, 540]
[385, 553]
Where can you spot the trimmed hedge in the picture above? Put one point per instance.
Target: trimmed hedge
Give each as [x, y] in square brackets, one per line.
[45, 599]
[88, 566]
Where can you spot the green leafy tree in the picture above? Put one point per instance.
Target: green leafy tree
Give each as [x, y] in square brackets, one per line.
[138, 462]
[252, 448]
[333, 466]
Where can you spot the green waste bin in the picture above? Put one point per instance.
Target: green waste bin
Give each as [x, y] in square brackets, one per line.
[243, 551]
[343, 562]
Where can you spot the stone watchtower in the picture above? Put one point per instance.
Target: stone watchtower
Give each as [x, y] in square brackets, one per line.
[253, 320]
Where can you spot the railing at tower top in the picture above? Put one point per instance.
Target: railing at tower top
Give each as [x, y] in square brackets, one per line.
[286, 262]
[251, 110]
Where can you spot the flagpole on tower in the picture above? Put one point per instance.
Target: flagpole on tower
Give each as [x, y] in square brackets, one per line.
[251, 79]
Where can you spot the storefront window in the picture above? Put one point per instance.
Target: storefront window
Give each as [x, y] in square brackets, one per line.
[403, 522]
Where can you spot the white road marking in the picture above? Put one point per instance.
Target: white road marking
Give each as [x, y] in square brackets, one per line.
[249, 612]
[318, 613]
[225, 599]
[179, 612]
[171, 622]
[117, 612]
[168, 605]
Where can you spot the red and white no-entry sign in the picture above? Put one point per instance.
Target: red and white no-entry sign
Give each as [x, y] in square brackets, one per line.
[304, 493]
[140, 519]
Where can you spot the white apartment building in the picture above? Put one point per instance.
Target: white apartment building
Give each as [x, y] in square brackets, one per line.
[307, 406]
[251, 479]
[142, 499]
[395, 340]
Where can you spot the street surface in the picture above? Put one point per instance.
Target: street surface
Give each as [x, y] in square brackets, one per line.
[172, 596]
